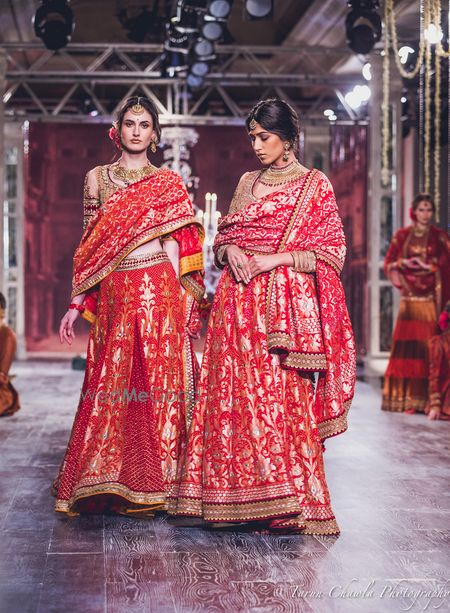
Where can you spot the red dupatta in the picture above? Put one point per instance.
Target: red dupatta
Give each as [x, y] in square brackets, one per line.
[147, 209]
[308, 340]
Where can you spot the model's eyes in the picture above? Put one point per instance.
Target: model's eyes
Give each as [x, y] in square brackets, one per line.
[264, 137]
[145, 125]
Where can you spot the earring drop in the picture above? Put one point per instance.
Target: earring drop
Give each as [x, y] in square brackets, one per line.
[286, 152]
[153, 146]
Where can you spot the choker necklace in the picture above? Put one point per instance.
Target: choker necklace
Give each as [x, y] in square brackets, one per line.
[417, 231]
[278, 176]
[131, 175]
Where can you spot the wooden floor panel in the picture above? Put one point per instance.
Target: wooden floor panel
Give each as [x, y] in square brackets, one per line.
[389, 479]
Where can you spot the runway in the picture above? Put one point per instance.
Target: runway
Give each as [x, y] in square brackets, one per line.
[389, 478]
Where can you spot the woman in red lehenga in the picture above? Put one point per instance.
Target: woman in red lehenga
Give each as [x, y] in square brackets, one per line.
[254, 451]
[138, 278]
[438, 406]
[417, 263]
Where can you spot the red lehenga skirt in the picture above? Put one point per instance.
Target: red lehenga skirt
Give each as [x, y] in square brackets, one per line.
[253, 450]
[125, 443]
[406, 378]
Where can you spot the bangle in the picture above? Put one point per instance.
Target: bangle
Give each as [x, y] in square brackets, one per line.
[78, 307]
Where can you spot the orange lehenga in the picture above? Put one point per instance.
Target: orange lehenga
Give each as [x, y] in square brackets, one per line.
[9, 398]
[139, 386]
[255, 445]
[422, 293]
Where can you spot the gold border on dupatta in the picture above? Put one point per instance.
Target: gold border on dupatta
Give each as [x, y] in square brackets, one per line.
[280, 340]
[336, 425]
[166, 228]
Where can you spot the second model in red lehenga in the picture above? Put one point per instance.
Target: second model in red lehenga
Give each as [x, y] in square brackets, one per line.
[255, 448]
[139, 386]
[422, 292]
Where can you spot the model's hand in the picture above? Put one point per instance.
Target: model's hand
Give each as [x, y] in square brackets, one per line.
[66, 332]
[412, 263]
[395, 278]
[239, 263]
[264, 263]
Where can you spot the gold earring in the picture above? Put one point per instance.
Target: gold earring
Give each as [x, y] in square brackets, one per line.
[286, 152]
[153, 146]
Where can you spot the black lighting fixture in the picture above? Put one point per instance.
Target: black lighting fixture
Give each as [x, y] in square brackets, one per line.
[258, 9]
[141, 21]
[177, 41]
[363, 25]
[173, 63]
[53, 23]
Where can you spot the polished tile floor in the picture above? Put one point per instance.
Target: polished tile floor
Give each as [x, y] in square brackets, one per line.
[389, 479]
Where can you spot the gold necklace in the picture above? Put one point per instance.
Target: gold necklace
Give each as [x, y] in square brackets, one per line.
[131, 175]
[419, 232]
[278, 176]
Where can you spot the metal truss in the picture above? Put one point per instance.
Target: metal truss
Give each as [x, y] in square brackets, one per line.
[49, 85]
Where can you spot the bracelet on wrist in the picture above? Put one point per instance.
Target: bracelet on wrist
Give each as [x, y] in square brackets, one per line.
[78, 307]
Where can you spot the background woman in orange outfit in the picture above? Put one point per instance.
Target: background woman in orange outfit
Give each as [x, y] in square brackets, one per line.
[138, 278]
[417, 263]
[9, 398]
[254, 451]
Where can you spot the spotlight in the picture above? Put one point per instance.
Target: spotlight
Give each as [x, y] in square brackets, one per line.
[200, 68]
[259, 9]
[194, 82]
[176, 41]
[204, 49]
[186, 22]
[212, 29]
[367, 71]
[53, 23]
[363, 25]
[220, 9]
[404, 53]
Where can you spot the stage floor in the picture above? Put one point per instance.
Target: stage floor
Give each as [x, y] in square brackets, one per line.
[389, 479]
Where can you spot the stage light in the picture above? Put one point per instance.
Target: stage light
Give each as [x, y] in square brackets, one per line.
[404, 53]
[212, 29]
[359, 94]
[433, 34]
[220, 9]
[187, 22]
[53, 23]
[328, 112]
[259, 9]
[194, 81]
[200, 69]
[403, 99]
[363, 25]
[367, 71]
[176, 41]
[203, 48]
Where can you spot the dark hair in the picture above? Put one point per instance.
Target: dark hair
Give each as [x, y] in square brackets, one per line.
[148, 106]
[277, 116]
[2, 301]
[423, 198]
